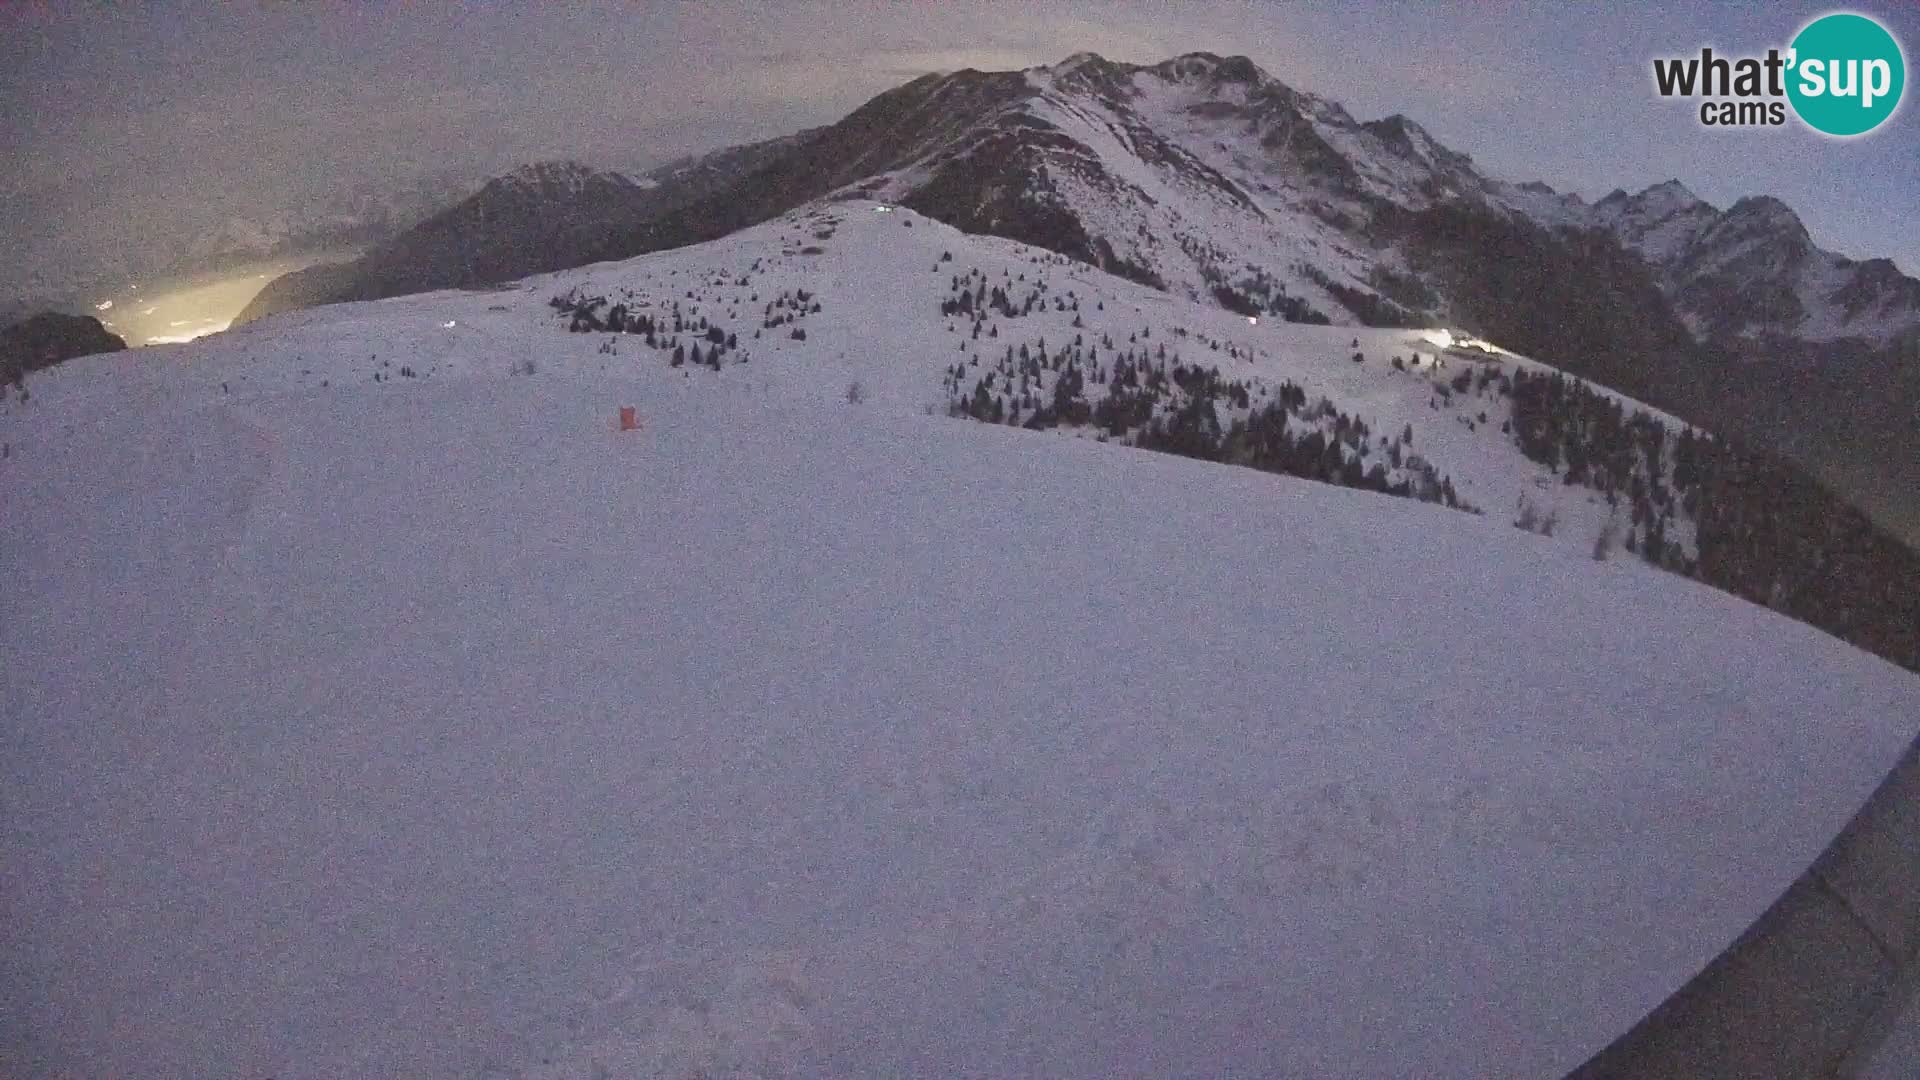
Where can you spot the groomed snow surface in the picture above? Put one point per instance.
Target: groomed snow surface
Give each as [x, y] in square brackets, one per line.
[431, 727]
[444, 731]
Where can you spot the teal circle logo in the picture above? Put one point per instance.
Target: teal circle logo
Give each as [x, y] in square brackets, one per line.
[1846, 74]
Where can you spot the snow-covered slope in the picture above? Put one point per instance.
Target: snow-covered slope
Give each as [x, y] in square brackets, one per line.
[1214, 180]
[880, 279]
[373, 707]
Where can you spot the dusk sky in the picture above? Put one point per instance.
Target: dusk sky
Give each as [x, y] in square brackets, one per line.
[150, 122]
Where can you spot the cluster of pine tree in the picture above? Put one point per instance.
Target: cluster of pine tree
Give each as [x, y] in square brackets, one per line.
[1254, 292]
[1370, 308]
[789, 307]
[1772, 534]
[1764, 530]
[1590, 439]
[1030, 385]
[1158, 402]
[1336, 453]
[971, 296]
[686, 336]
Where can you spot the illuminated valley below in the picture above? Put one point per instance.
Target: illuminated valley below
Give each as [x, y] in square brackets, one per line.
[182, 309]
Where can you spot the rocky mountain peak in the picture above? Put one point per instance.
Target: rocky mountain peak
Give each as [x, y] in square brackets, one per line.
[1408, 139]
[1652, 205]
[1764, 212]
[1669, 193]
[1078, 61]
[1652, 202]
[1239, 69]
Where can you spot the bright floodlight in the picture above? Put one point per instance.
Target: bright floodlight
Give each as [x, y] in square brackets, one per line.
[1441, 337]
[1251, 321]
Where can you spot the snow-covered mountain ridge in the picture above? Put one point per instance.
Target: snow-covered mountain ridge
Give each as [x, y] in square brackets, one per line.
[868, 292]
[374, 706]
[1207, 176]
[1205, 173]
[927, 318]
[1752, 272]
[1210, 178]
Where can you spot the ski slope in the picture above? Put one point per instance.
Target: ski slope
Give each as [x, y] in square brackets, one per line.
[432, 727]
[879, 279]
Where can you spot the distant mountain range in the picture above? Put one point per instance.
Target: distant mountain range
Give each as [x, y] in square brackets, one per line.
[1192, 174]
[545, 216]
[65, 255]
[1751, 272]
[1205, 176]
